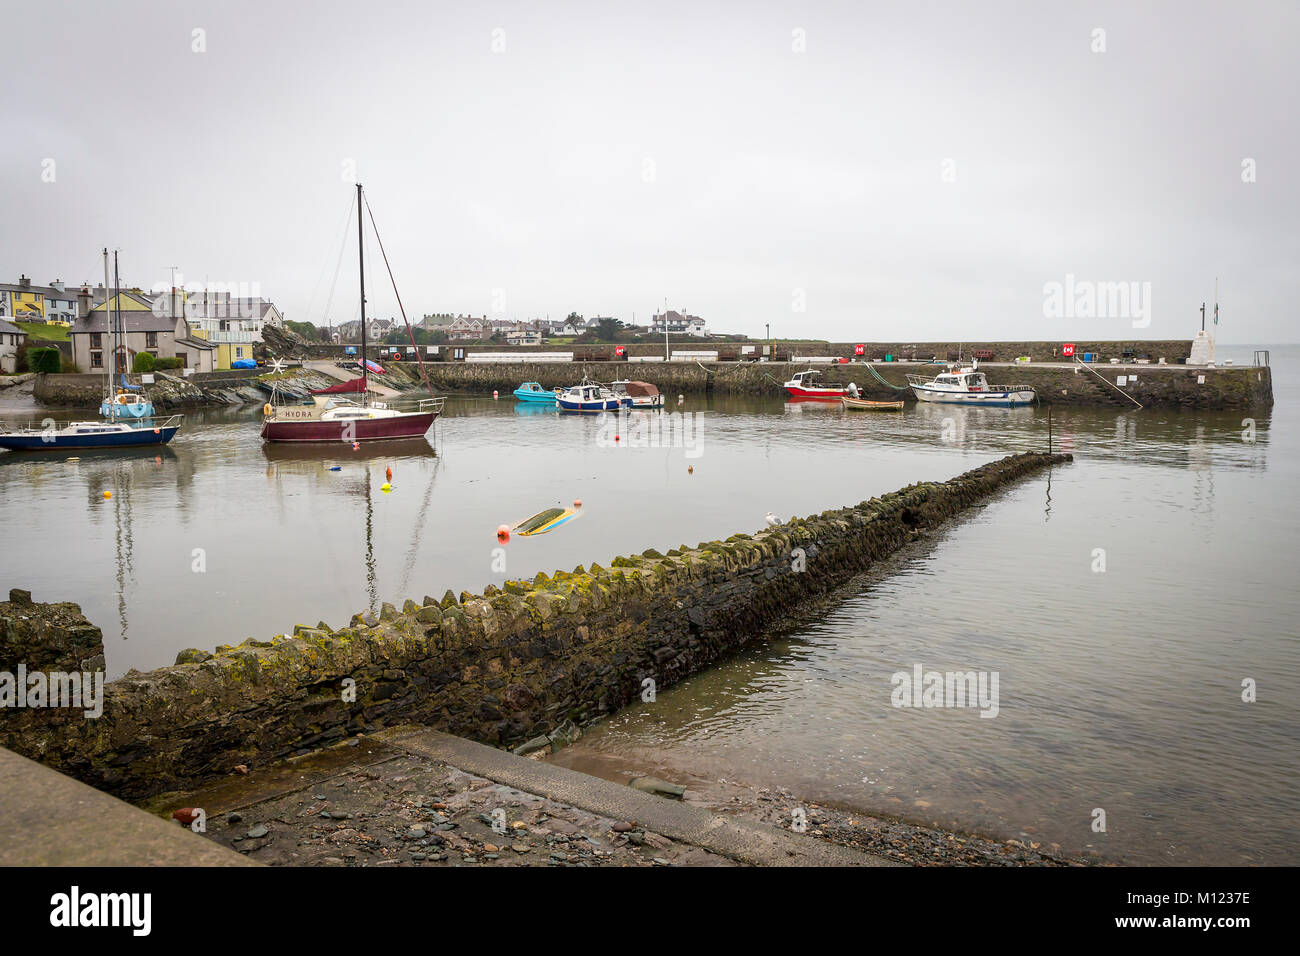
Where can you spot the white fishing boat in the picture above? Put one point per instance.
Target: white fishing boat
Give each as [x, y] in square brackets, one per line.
[967, 385]
[591, 397]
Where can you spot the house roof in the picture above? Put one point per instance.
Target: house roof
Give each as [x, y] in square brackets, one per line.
[97, 321]
[10, 329]
[196, 343]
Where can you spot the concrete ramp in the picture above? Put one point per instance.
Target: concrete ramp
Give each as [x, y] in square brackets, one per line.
[745, 841]
[347, 375]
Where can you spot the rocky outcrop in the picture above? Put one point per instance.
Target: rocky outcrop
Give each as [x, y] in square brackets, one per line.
[172, 392]
[503, 667]
[47, 637]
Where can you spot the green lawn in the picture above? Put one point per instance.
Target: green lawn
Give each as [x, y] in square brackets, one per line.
[39, 331]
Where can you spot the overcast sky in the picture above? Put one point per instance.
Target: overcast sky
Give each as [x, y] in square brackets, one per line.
[855, 171]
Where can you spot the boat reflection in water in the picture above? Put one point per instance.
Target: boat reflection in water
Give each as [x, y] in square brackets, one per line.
[353, 472]
[315, 456]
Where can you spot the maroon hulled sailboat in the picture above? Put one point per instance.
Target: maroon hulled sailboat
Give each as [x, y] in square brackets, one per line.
[345, 412]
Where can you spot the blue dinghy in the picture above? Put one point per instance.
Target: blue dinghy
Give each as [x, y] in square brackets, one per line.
[533, 392]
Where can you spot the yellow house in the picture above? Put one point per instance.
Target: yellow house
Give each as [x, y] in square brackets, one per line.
[227, 352]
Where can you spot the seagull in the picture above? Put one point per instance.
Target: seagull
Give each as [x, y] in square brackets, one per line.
[771, 519]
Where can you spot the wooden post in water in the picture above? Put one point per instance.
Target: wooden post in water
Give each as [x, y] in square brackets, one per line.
[1049, 429]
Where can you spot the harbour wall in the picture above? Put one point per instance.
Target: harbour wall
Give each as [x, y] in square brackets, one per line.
[1172, 351]
[501, 667]
[1155, 386]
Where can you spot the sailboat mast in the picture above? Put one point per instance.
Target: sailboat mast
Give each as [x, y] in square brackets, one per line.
[361, 259]
[112, 351]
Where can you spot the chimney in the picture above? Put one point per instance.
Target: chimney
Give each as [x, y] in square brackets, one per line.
[83, 302]
[25, 282]
[56, 284]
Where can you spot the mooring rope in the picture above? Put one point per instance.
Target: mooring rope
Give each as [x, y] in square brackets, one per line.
[881, 379]
[1109, 382]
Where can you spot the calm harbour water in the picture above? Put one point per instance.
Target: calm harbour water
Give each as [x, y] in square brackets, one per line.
[1119, 690]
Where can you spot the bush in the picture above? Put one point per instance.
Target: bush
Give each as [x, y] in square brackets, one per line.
[45, 360]
[162, 364]
[144, 362]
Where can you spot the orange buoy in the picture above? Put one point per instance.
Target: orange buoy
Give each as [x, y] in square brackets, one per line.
[108, 494]
[503, 533]
[690, 469]
[616, 438]
[577, 502]
[186, 815]
[494, 393]
[388, 473]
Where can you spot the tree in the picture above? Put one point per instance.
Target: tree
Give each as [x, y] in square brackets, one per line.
[305, 329]
[608, 329]
[143, 362]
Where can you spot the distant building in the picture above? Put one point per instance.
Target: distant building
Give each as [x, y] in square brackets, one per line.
[678, 324]
[525, 333]
[11, 345]
[468, 329]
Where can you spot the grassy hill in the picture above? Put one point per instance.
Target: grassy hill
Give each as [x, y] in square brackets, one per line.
[39, 331]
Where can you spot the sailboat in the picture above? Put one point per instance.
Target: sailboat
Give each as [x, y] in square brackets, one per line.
[333, 414]
[116, 432]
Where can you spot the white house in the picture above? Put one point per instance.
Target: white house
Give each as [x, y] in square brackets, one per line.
[11, 343]
[678, 324]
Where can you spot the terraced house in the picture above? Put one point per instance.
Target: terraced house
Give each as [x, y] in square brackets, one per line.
[142, 330]
[24, 302]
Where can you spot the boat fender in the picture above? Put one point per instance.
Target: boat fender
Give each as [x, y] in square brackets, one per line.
[266, 409]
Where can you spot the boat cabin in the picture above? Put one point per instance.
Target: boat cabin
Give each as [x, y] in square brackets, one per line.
[965, 380]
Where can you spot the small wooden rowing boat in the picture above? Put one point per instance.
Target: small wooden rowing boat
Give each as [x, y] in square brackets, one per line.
[544, 521]
[862, 405]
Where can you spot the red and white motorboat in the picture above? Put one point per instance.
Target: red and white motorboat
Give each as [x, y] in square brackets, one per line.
[804, 385]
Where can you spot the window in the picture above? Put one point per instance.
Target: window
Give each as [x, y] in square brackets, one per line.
[96, 340]
[239, 351]
[96, 359]
[151, 340]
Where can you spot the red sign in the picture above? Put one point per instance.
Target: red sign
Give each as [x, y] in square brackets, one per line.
[1068, 349]
[859, 350]
[618, 350]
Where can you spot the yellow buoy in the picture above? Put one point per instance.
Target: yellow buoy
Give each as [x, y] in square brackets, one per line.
[385, 487]
[108, 494]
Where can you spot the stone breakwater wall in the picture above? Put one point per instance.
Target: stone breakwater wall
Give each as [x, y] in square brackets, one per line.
[501, 667]
[1156, 386]
[170, 392]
